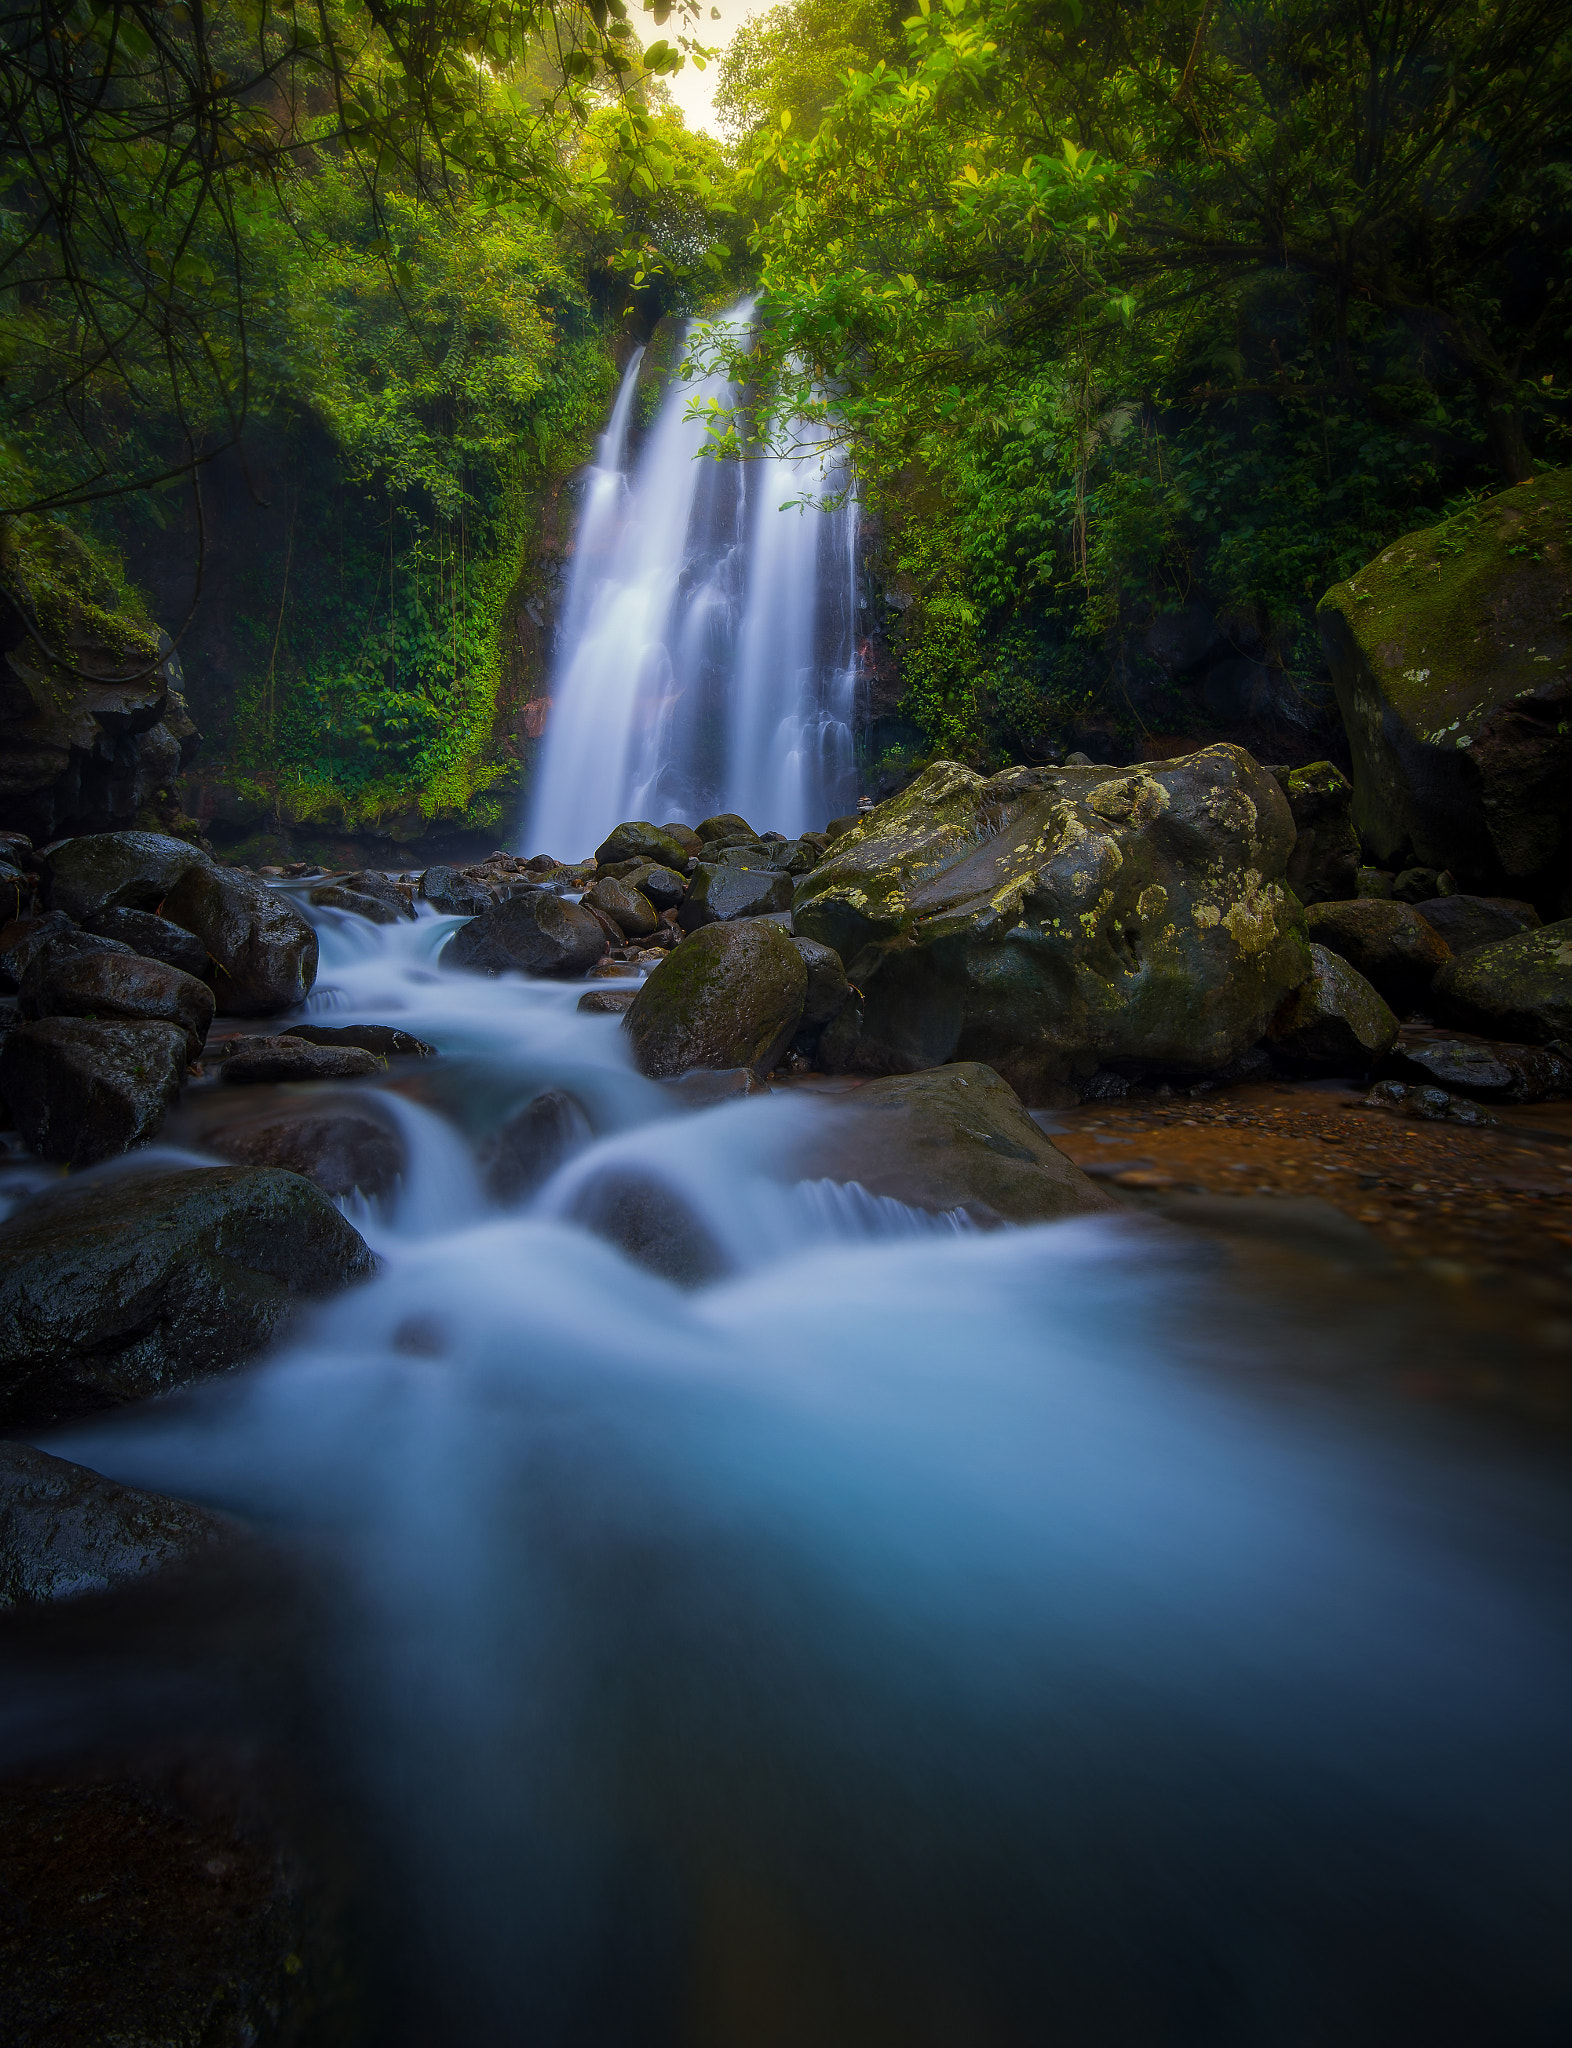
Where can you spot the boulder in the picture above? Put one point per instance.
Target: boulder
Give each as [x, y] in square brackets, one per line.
[339, 896]
[1430, 1105]
[641, 841]
[445, 889]
[1518, 988]
[606, 1002]
[1334, 1023]
[1465, 922]
[797, 856]
[106, 985]
[719, 893]
[155, 938]
[535, 933]
[1390, 944]
[1057, 920]
[828, 987]
[383, 1039]
[263, 953]
[382, 889]
[114, 870]
[686, 838]
[118, 1288]
[956, 1137]
[631, 911]
[663, 887]
[650, 1224]
[1451, 656]
[66, 1531]
[342, 1151]
[726, 826]
[731, 995]
[1374, 882]
[296, 1059]
[1495, 1073]
[1324, 865]
[1419, 885]
[81, 1091]
[534, 1141]
[27, 940]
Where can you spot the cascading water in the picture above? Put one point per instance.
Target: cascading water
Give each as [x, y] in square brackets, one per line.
[707, 656]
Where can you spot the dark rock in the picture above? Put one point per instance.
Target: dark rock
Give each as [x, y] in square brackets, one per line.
[718, 894]
[650, 1224]
[1054, 920]
[296, 1059]
[726, 826]
[1465, 922]
[81, 1092]
[641, 841]
[115, 870]
[731, 995]
[18, 891]
[956, 1137]
[828, 987]
[664, 887]
[536, 934]
[342, 1151]
[26, 940]
[124, 1286]
[632, 912]
[382, 889]
[1335, 1023]
[112, 985]
[1375, 882]
[706, 1088]
[530, 1146]
[382, 1039]
[1324, 865]
[798, 856]
[1390, 944]
[745, 853]
[606, 1002]
[1430, 1105]
[1497, 1073]
[445, 889]
[837, 828]
[1519, 988]
[263, 953]
[339, 896]
[686, 838]
[1416, 885]
[1451, 656]
[65, 1531]
[155, 938]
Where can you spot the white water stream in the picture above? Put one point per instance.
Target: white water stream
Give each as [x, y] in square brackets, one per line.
[707, 655]
[914, 1636]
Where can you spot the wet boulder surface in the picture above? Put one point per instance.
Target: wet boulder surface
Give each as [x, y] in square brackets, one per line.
[1049, 921]
[1489, 1071]
[287, 1058]
[1519, 988]
[639, 840]
[526, 1149]
[263, 953]
[633, 913]
[1468, 922]
[340, 1149]
[81, 1091]
[155, 938]
[535, 933]
[1334, 1023]
[731, 995]
[115, 870]
[340, 896]
[1396, 950]
[127, 1285]
[455, 895]
[117, 986]
[721, 891]
[1324, 864]
[385, 1040]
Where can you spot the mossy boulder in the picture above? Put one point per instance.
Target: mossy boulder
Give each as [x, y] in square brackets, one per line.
[639, 840]
[729, 996]
[1451, 655]
[1053, 920]
[629, 909]
[1334, 1023]
[1518, 988]
[1324, 865]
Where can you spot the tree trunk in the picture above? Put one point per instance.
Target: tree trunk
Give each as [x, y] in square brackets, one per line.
[1507, 441]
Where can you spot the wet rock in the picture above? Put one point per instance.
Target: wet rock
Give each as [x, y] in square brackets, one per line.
[629, 909]
[1054, 920]
[1519, 988]
[1374, 882]
[530, 1146]
[1324, 864]
[112, 870]
[719, 893]
[798, 856]
[731, 995]
[80, 1091]
[18, 890]
[745, 853]
[341, 1151]
[1496, 1073]
[339, 896]
[704, 1089]
[727, 825]
[296, 1059]
[113, 985]
[123, 1286]
[65, 1530]
[650, 1224]
[828, 987]
[392, 895]
[1430, 1105]
[639, 840]
[1335, 1023]
[663, 887]
[686, 838]
[956, 1137]
[263, 953]
[1417, 885]
[606, 1002]
[1465, 922]
[384, 1040]
[155, 938]
[445, 889]
[1390, 944]
[27, 940]
[536, 934]
[1451, 656]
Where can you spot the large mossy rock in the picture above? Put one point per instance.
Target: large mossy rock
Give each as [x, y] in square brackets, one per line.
[264, 954]
[115, 870]
[1335, 1023]
[639, 840]
[730, 996]
[954, 1138]
[114, 1290]
[81, 1090]
[1519, 988]
[1053, 920]
[1451, 655]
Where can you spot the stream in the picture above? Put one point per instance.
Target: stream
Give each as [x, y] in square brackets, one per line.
[914, 1634]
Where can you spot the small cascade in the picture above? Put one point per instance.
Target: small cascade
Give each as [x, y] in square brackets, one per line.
[707, 659]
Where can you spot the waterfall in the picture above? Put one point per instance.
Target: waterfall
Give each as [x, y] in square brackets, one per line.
[707, 657]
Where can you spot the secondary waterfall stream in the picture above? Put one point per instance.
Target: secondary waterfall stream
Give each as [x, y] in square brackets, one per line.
[913, 1635]
[707, 653]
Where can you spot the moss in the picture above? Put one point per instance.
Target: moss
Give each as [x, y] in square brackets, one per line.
[74, 591]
